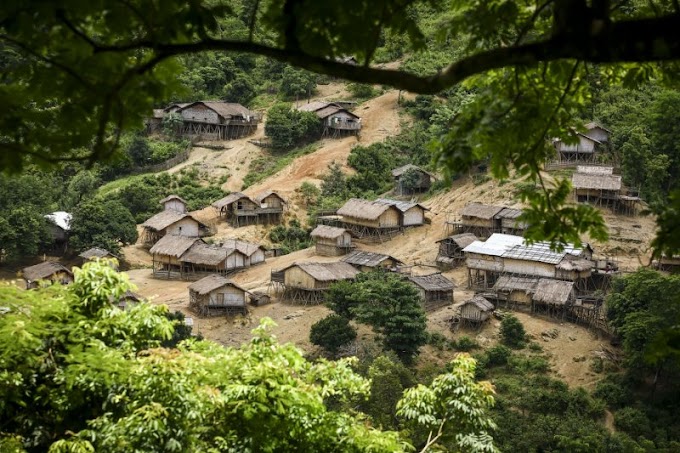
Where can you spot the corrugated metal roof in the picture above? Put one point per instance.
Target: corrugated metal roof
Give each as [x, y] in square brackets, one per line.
[61, 219]
[496, 245]
[535, 252]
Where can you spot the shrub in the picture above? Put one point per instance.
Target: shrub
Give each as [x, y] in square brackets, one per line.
[332, 332]
[466, 344]
[633, 421]
[613, 391]
[437, 340]
[512, 332]
[498, 355]
[361, 90]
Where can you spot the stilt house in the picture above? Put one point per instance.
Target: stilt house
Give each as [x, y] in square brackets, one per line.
[238, 209]
[271, 207]
[451, 249]
[306, 282]
[217, 120]
[514, 290]
[216, 295]
[507, 222]
[370, 219]
[336, 121]
[171, 222]
[202, 259]
[167, 252]
[412, 214]
[479, 219]
[476, 310]
[597, 132]
[435, 290]
[174, 202]
[417, 180]
[584, 150]
[48, 271]
[668, 263]
[331, 241]
[368, 261]
[253, 253]
[538, 294]
[596, 185]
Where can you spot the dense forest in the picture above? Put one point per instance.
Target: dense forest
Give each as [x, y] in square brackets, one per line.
[78, 374]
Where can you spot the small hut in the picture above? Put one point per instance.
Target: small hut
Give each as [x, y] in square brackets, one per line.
[60, 226]
[216, 295]
[336, 121]
[253, 253]
[479, 219]
[598, 132]
[201, 259]
[271, 207]
[49, 271]
[368, 261]
[96, 253]
[174, 202]
[166, 254]
[173, 223]
[515, 290]
[307, 282]
[553, 293]
[475, 311]
[584, 150]
[451, 249]
[507, 223]
[331, 241]
[416, 180]
[599, 188]
[412, 214]
[238, 208]
[435, 290]
[370, 219]
[259, 299]
[128, 300]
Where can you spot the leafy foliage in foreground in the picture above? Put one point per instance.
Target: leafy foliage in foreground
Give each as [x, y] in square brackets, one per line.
[79, 375]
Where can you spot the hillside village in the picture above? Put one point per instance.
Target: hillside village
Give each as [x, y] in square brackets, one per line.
[457, 249]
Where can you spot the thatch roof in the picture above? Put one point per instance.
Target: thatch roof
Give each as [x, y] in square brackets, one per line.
[551, 291]
[178, 105]
[508, 213]
[202, 253]
[596, 181]
[246, 248]
[480, 302]
[595, 169]
[173, 245]
[461, 240]
[363, 209]
[61, 219]
[432, 282]
[368, 259]
[327, 232]
[96, 252]
[211, 283]
[261, 196]
[43, 270]
[480, 211]
[397, 172]
[403, 206]
[224, 109]
[327, 272]
[172, 197]
[508, 283]
[164, 219]
[229, 199]
[313, 106]
[571, 263]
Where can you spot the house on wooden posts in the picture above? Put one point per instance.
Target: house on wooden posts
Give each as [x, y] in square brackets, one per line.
[252, 253]
[507, 222]
[550, 294]
[217, 120]
[49, 272]
[217, 295]
[370, 219]
[171, 222]
[667, 263]
[306, 282]
[417, 180]
[412, 214]
[271, 207]
[476, 311]
[598, 132]
[202, 259]
[537, 294]
[513, 290]
[504, 254]
[368, 261]
[435, 290]
[238, 209]
[154, 123]
[584, 150]
[478, 219]
[96, 253]
[166, 254]
[451, 249]
[331, 241]
[174, 202]
[60, 226]
[336, 121]
[597, 185]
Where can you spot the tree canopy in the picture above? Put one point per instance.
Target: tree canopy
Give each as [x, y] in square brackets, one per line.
[97, 68]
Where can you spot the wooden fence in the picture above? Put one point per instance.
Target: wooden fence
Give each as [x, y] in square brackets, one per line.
[178, 159]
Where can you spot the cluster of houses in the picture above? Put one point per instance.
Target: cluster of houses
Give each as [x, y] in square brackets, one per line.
[241, 210]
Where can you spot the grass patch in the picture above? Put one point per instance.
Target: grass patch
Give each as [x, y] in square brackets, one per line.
[269, 164]
[118, 184]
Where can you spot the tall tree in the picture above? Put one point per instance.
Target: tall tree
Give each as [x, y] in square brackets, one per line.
[106, 224]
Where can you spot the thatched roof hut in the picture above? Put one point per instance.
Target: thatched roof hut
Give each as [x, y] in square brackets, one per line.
[254, 253]
[515, 289]
[317, 276]
[451, 249]
[172, 222]
[216, 294]
[366, 261]
[173, 246]
[480, 211]
[331, 241]
[96, 253]
[262, 197]
[370, 214]
[595, 169]
[175, 202]
[435, 290]
[422, 184]
[47, 271]
[594, 181]
[553, 292]
[233, 197]
[412, 213]
[476, 310]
